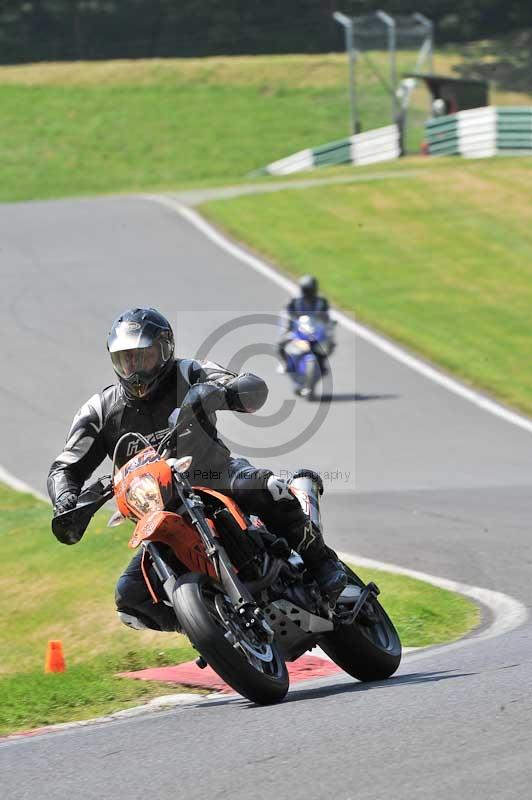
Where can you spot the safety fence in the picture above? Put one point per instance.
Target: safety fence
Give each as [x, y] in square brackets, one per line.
[482, 132]
[381, 144]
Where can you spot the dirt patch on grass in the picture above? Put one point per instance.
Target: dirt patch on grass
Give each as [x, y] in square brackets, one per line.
[297, 71]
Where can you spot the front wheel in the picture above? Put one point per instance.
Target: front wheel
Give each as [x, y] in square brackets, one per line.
[311, 377]
[254, 668]
[369, 649]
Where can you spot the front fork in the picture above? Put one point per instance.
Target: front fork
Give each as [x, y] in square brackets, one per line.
[162, 570]
[239, 595]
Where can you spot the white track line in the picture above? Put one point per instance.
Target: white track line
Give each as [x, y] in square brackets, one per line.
[10, 480]
[391, 349]
[507, 612]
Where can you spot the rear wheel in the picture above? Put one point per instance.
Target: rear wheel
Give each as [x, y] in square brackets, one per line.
[369, 649]
[254, 668]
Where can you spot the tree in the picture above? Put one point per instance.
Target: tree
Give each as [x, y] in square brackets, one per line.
[65, 29]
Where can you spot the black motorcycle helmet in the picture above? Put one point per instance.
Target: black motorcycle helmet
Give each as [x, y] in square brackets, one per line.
[141, 346]
[309, 286]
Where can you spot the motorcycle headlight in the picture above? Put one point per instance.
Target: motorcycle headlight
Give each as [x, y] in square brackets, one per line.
[143, 495]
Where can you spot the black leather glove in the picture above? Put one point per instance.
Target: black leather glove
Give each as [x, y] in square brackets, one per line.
[206, 397]
[66, 502]
[66, 530]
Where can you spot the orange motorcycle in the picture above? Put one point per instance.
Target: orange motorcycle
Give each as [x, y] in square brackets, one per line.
[243, 598]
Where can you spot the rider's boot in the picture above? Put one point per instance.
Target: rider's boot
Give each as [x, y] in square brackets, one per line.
[321, 561]
[303, 533]
[323, 564]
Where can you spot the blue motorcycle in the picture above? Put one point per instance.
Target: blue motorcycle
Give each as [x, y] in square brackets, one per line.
[306, 354]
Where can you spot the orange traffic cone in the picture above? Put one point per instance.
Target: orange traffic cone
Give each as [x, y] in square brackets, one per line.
[55, 661]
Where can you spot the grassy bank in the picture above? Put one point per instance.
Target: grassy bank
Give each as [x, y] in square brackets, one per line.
[91, 689]
[55, 592]
[50, 591]
[423, 614]
[128, 126]
[441, 261]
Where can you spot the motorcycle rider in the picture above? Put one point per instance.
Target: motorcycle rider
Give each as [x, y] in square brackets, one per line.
[151, 384]
[308, 303]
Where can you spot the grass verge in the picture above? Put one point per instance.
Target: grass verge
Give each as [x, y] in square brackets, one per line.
[423, 614]
[33, 699]
[128, 126]
[54, 592]
[441, 262]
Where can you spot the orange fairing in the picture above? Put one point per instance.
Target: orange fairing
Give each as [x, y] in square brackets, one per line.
[177, 533]
[136, 468]
[229, 503]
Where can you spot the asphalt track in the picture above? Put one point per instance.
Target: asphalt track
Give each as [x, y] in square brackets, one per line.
[414, 475]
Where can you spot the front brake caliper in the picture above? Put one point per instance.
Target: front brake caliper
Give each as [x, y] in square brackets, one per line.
[254, 620]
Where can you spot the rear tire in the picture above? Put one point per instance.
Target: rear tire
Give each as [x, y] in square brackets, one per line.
[194, 604]
[368, 652]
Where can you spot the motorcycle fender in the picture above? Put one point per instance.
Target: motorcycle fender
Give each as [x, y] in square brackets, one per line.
[173, 530]
[148, 526]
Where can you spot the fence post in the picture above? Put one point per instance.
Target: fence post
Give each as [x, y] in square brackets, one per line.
[347, 24]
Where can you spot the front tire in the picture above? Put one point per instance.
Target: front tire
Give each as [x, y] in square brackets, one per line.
[197, 605]
[312, 376]
[369, 650]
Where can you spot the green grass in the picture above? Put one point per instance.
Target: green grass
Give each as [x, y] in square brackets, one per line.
[33, 699]
[423, 614]
[50, 591]
[441, 262]
[58, 141]
[128, 126]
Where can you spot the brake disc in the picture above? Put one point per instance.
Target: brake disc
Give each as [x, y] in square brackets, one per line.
[264, 654]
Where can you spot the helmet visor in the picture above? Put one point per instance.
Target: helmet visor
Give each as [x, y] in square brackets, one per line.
[141, 363]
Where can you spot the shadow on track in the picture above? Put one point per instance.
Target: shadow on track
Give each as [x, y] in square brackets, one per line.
[345, 687]
[356, 686]
[352, 397]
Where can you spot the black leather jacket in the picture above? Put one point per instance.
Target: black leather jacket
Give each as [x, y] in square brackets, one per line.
[105, 417]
